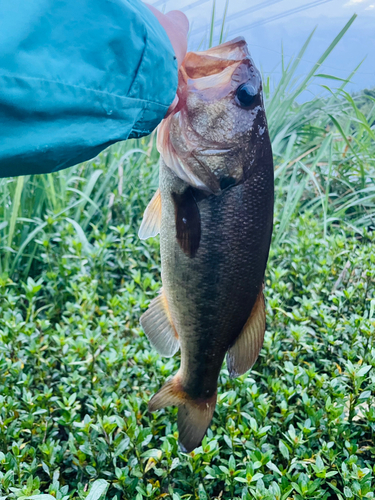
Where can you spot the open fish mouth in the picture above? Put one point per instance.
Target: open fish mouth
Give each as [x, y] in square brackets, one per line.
[214, 60]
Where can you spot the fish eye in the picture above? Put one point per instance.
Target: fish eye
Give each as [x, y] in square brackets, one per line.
[246, 94]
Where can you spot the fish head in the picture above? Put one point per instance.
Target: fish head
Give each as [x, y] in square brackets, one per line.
[210, 139]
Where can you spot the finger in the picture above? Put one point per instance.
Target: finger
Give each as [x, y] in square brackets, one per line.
[177, 31]
[180, 20]
[176, 25]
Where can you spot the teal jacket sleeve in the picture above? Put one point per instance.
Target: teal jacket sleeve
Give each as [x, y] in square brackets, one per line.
[77, 76]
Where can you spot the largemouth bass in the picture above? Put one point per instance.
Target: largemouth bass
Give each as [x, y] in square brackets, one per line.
[214, 212]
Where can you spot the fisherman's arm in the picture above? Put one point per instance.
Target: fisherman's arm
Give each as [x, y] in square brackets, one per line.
[77, 76]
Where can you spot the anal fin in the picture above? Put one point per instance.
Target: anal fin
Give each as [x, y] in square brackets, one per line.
[152, 218]
[243, 354]
[158, 326]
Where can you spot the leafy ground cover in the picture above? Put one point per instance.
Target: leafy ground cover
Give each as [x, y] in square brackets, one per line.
[76, 371]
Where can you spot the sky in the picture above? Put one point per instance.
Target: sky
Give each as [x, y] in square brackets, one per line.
[269, 25]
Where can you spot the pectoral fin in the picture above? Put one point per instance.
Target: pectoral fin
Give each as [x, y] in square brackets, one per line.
[152, 218]
[188, 222]
[158, 326]
[243, 354]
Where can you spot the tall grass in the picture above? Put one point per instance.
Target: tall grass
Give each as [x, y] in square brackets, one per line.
[324, 152]
[323, 148]
[326, 163]
[84, 195]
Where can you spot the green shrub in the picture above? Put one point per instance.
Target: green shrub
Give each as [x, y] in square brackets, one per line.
[76, 372]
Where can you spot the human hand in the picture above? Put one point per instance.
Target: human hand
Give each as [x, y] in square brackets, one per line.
[176, 25]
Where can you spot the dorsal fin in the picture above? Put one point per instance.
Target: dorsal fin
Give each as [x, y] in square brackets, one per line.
[243, 354]
[159, 328]
[152, 218]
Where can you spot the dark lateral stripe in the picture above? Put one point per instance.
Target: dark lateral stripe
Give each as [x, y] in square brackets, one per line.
[188, 222]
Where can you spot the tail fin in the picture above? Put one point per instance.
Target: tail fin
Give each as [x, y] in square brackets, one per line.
[194, 416]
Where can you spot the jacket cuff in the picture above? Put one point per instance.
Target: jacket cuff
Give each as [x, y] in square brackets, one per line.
[157, 70]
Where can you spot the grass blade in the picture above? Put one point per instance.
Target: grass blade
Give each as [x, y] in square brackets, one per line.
[212, 27]
[221, 38]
